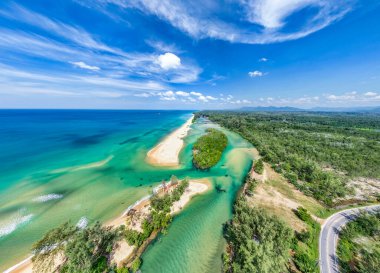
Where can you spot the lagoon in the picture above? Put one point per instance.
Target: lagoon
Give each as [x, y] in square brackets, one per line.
[84, 166]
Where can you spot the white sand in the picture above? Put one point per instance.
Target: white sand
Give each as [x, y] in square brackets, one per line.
[195, 187]
[122, 252]
[166, 153]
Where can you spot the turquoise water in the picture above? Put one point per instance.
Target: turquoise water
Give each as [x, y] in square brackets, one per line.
[194, 242]
[46, 180]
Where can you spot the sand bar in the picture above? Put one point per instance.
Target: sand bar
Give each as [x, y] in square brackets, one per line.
[166, 153]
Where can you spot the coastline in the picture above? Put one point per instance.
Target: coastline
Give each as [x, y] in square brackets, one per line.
[166, 153]
[123, 250]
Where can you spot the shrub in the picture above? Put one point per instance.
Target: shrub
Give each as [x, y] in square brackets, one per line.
[136, 264]
[259, 166]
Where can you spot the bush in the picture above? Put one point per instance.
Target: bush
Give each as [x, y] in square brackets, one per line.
[136, 264]
[304, 215]
[354, 256]
[259, 166]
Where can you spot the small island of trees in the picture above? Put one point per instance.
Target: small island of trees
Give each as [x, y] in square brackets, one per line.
[208, 149]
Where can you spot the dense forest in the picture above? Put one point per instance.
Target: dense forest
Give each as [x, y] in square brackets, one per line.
[208, 149]
[318, 153]
[359, 245]
[257, 241]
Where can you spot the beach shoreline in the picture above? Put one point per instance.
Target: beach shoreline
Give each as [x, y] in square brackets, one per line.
[166, 153]
[123, 249]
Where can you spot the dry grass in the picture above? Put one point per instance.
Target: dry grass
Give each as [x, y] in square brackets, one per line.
[276, 195]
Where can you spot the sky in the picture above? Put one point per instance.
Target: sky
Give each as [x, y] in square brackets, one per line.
[170, 54]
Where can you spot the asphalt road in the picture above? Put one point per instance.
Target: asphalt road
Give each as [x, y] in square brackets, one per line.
[328, 239]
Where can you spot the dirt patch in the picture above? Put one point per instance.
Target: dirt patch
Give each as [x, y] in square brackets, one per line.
[364, 188]
[270, 199]
[275, 194]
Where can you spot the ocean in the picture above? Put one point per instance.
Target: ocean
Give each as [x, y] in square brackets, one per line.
[88, 165]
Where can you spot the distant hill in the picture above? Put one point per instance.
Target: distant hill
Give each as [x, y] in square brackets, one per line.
[315, 109]
[271, 109]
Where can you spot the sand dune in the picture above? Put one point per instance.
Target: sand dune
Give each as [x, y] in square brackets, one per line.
[166, 153]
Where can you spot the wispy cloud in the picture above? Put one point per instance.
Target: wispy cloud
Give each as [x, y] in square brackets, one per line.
[263, 20]
[15, 81]
[85, 66]
[52, 40]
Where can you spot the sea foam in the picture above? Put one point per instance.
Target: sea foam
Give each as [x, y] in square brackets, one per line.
[14, 224]
[47, 197]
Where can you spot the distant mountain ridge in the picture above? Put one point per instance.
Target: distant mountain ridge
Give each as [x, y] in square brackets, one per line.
[375, 109]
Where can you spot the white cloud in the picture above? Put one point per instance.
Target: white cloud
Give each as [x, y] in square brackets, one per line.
[196, 94]
[263, 21]
[65, 43]
[256, 73]
[18, 82]
[370, 94]
[202, 98]
[85, 66]
[161, 46]
[169, 61]
[143, 95]
[263, 60]
[182, 93]
[211, 98]
[168, 98]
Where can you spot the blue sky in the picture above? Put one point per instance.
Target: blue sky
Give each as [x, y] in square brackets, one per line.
[168, 54]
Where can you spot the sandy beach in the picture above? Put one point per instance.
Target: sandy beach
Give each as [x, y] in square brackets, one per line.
[123, 249]
[166, 153]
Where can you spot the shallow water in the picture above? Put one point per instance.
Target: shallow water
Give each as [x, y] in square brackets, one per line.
[41, 185]
[194, 242]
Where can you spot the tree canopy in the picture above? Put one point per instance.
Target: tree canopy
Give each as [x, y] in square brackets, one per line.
[75, 250]
[316, 152]
[257, 241]
[208, 149]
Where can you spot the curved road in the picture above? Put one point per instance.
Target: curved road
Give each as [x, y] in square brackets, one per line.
[328, 239]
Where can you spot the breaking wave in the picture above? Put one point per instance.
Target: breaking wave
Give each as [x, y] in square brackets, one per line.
[8, 228]
[47, 197]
